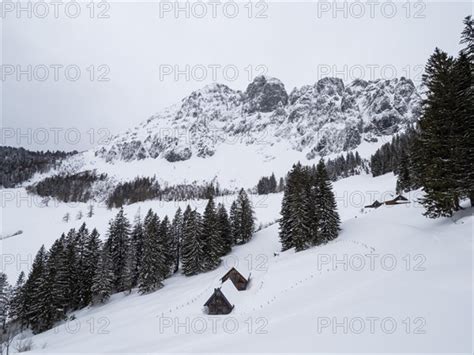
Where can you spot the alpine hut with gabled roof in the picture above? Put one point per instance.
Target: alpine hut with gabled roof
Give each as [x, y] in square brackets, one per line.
[399, 200]
[239, 281]
[376, 204]
[222, 300]
[218, 303]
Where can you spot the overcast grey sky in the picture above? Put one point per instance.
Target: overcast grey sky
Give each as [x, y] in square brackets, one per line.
[112, 65]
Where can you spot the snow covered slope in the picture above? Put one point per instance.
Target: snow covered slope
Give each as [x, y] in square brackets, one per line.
[393, 281]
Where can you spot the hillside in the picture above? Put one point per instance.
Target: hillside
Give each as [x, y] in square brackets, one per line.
[287, 291]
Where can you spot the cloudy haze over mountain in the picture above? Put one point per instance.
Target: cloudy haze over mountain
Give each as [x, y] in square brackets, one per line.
[112, 75]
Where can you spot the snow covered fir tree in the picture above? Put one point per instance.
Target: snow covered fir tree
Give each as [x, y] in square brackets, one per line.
[437, 154]
[443, 150]
[309, 214]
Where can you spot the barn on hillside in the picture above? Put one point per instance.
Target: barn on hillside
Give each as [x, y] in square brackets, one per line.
[239, 281]
[218, 303]
[222, 300]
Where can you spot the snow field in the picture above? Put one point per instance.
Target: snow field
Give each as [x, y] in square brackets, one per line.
[393, 281]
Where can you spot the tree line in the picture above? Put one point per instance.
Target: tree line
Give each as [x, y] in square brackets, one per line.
[344, 166]
[80, 270]
[340, 167]
[309, 214]
[390, 156]
[268, 185]
[19, 164]
[68, 187]
[80, 187]
[148, 188]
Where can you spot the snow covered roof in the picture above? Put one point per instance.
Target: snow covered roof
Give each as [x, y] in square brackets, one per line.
[400, 198]
[231, 293]
[235, 270]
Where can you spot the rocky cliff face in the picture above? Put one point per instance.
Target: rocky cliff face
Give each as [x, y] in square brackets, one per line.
[327, 117]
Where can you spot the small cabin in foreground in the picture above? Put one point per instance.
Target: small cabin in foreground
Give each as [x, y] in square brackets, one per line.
[239, 281]
[218, 303]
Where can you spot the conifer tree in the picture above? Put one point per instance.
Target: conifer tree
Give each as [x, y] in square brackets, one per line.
[294, 222]
[404, 183]
[285, 232]
[69, 272]
[152, 270]
[4, 300]
[165, 244]
[17, 301]
[224, 228]
[32, 298]
[234, 219]
[435, 156]
[467, 38]
[102, 283]
[212, 247]
[462, 128]
[464, 113]
[137, 249]
[248, 219]
[91, 262]
[242, 218]
[328, 218]
[82, 236]
[301, 214]
[120, 251]
[191, 256]
[311, 212]
[272, 183]
[56, 284]
[51, 291]
[176, 238]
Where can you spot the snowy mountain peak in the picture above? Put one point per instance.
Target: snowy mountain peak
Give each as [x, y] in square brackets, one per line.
[264, 94]
[320, 119]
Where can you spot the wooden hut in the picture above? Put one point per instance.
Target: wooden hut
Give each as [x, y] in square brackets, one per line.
[223, 299]
[399, 200]
[376, 204]
[239, 281]
[218, 303]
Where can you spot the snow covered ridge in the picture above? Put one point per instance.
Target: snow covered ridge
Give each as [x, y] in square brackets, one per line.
[325, 118]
